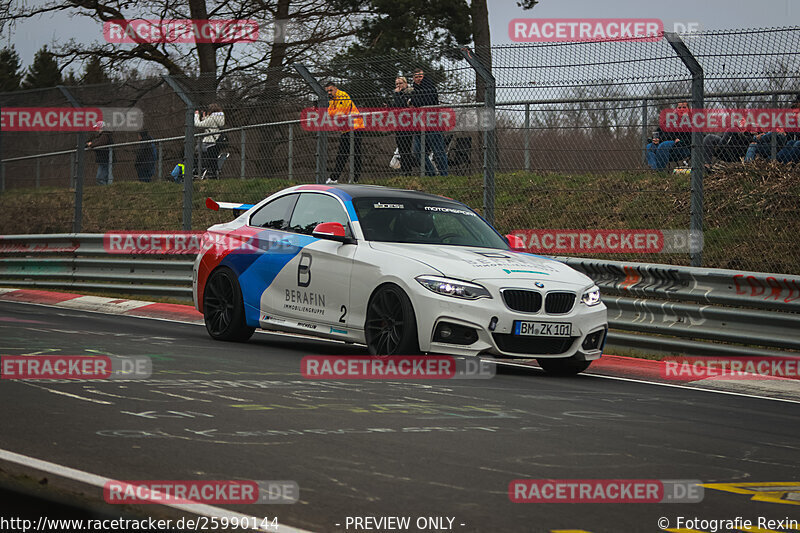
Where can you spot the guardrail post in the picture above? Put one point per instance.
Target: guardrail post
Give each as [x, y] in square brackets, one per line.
[322, 136]
[188, 152]
[291, 149]
[527, 137]
[77, 217]
[698, 102]
[242, 148]
[489, 135]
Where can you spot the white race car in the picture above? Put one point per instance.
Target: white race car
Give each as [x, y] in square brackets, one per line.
[401, 271]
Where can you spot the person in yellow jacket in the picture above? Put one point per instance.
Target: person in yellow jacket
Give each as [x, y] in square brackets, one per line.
[340, 103]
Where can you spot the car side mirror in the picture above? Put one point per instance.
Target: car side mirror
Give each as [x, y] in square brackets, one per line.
[332, 231]
[515, 243]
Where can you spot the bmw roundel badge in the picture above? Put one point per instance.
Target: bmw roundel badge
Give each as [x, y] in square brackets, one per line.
[539, 284]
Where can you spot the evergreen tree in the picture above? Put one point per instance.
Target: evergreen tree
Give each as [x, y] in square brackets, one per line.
[94, 73]
[10, 71]
[44, 71]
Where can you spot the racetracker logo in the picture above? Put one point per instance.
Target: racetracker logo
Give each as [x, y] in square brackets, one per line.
[183, 31]
[722, 120]
[70, 118]
[395, 367]
[731, 368]
[75, 367]
[195, 242]
[608, 241]
[380, 119]
[605, 491]
[207, 492]
[576, 30]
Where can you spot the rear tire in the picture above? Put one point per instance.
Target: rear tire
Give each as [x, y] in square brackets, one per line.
[391, 327]
[223, 308]
[568, 366]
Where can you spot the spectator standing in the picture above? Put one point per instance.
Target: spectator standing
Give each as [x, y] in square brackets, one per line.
[340, 103]
[212, 121]
[99, 144]
[424, 94]
[404, 139]
[146, 155]
[677, 148]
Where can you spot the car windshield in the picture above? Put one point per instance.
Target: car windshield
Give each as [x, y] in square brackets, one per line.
[424, 221]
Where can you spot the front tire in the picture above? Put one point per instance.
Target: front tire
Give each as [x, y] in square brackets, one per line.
[391, 327]
[223, 308]
[568, 366]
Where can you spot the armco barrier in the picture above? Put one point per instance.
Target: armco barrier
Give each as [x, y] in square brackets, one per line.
[651, 307]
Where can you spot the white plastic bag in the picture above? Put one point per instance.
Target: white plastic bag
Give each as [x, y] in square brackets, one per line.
[395, 162]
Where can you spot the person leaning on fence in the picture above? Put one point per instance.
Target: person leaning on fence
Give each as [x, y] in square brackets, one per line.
[423, 94]
[402, 98]
[677, 148]
[98, 143]
[213, 121]
[340, 103]
[146, 155]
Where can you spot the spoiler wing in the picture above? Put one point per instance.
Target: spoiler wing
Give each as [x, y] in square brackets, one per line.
[216, 206]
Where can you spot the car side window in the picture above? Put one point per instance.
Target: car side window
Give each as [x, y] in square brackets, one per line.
[313, 209]
[275, 214]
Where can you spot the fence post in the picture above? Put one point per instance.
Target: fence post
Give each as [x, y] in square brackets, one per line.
[351, 157]
[698, 102]
[38, 171]
[423, 152]
[73, 174]
[242, 148]
[110, 165]
[77, 216]
[188, 152]
[489, 134]
[644, 131]
[291, 148]
[2, 177]
[774, 136]
[160, 174]
[322, 136]
[527, 136]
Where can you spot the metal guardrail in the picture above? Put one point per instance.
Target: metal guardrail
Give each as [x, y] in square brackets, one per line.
[652, 307]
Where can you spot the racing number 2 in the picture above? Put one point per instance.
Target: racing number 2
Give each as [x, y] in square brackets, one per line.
[343, 309]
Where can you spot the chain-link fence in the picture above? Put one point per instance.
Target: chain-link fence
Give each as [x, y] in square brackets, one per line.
[570, 145]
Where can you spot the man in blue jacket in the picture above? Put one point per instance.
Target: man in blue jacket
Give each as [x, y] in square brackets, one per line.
[424, 94]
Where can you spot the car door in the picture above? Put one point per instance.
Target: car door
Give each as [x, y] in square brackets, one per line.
[313, 290]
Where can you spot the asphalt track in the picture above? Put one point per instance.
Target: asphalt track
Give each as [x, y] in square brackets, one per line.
[385, 448]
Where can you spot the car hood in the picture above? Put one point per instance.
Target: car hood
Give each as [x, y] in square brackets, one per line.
[474, 264]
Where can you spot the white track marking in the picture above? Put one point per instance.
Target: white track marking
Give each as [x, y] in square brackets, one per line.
[673, 385]
[100, 482]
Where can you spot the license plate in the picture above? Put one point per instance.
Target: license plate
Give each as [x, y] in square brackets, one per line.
[542, 329]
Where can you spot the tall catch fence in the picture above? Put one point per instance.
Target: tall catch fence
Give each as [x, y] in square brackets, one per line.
[551, 136]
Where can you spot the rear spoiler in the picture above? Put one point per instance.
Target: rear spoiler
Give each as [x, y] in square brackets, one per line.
[216, 206]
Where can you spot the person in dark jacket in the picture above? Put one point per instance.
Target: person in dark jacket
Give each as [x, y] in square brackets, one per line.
[730, 147]
[98, 143]
[146, 155]
[424, 94]
[669, 146]
[402, 98]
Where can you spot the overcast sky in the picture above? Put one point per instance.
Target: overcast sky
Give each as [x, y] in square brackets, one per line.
[28, 37]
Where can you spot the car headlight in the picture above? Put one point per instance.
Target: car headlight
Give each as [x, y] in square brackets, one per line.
[591, 297]
[453, 287]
